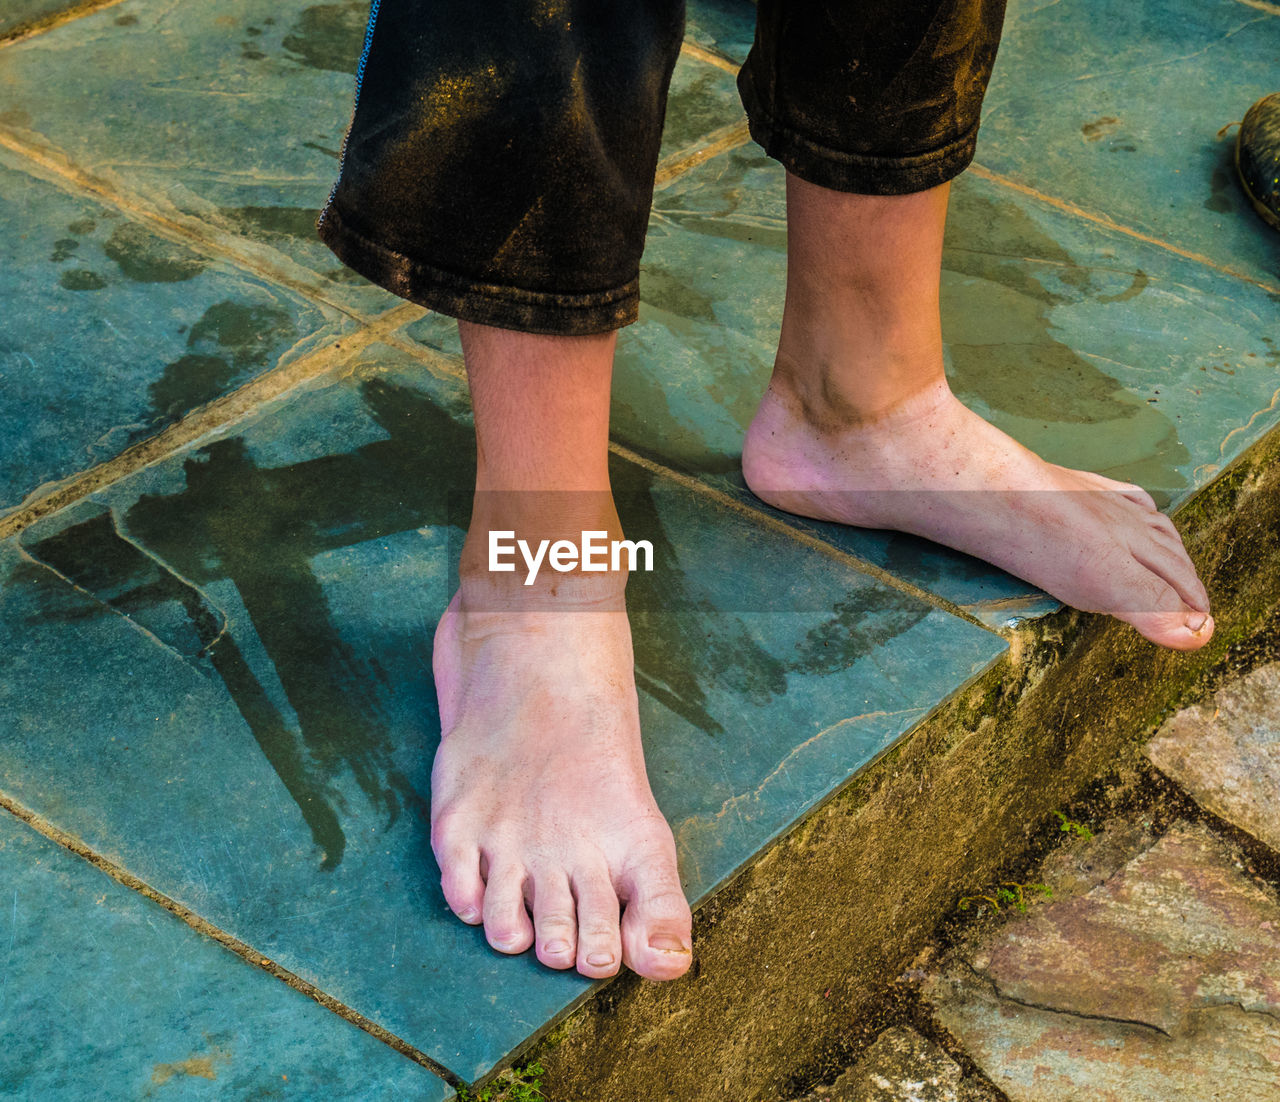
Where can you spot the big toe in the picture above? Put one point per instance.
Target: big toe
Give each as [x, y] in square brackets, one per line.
[657, 939]
[1185, 630]
[1162, 613]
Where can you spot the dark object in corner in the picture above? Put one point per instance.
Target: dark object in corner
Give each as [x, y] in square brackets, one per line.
[1258, 157]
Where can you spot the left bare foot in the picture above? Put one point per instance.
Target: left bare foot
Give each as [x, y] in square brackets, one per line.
[932, 467]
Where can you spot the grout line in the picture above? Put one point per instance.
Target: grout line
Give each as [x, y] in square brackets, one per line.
[242, 949]
[1102, 220]
[439, 362]
[814, 543]
[217, 414]
[58, 169]
[712, 145]
[29, 30]
[701, 53]
[1262, 5]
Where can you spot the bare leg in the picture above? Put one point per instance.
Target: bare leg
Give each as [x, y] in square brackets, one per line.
[859, 426]
[539, 795]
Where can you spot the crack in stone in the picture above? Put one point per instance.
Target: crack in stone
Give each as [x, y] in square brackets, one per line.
[989, 981]
[1209, 1008]
[178, 576]
[106, 606]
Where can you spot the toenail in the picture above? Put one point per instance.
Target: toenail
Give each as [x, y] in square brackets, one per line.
[1197, 625]
[665, 943]
[557, 946]
[469, 915]
[599, 960]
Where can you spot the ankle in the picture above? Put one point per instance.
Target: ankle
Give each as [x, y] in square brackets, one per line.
[822, 403]
[842, 372]
[554, 550]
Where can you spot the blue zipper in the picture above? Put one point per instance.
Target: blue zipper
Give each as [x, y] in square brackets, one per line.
[342, 155]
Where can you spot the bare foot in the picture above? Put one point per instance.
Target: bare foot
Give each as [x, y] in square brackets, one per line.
[932, 467]
[539, 793]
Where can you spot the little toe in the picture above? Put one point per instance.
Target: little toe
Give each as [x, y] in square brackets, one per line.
[599, 942]
[506, 922]
[657, 937]
[554, 921]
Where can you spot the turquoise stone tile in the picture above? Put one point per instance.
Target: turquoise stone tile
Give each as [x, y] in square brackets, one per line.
[1117, 107]
[240, 641]
[702, 98]
[1097, 350]
[726, 27]
[104, 994]
[18, 15]
[236, 112]
[112, 332]
[233, 112]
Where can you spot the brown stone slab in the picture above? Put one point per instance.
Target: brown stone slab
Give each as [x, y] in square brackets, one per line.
[1161, 983]
[1226, 753]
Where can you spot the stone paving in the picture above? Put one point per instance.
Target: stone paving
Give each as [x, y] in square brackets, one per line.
[230, 505]
[1154, 972]
[902, 1066]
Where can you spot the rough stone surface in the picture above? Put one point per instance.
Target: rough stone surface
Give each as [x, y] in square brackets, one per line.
[901, 1066]
[1161, 983]
[1226, 753]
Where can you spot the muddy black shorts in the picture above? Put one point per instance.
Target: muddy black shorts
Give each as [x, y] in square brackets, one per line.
[500, 161]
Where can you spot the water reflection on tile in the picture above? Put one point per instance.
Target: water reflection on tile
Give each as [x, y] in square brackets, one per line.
[233, 112]
[233, 696]
[112, 332]
[1096, 350]
[107, 994]
[1118, 107]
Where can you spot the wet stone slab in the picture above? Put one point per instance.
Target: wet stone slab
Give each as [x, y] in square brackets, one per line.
[1226, 753]
[703, 98]
[1117, 107]
[254, 731]
[106, 994]
[111, 332]
[1161, 982]
[235, 112]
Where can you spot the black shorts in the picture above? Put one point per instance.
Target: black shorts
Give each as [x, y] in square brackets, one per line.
[500, 161]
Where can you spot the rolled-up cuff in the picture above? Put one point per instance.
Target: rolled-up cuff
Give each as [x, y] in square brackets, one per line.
[553, 314]
[859, 173]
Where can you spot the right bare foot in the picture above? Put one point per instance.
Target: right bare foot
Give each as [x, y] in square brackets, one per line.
[539, 796]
